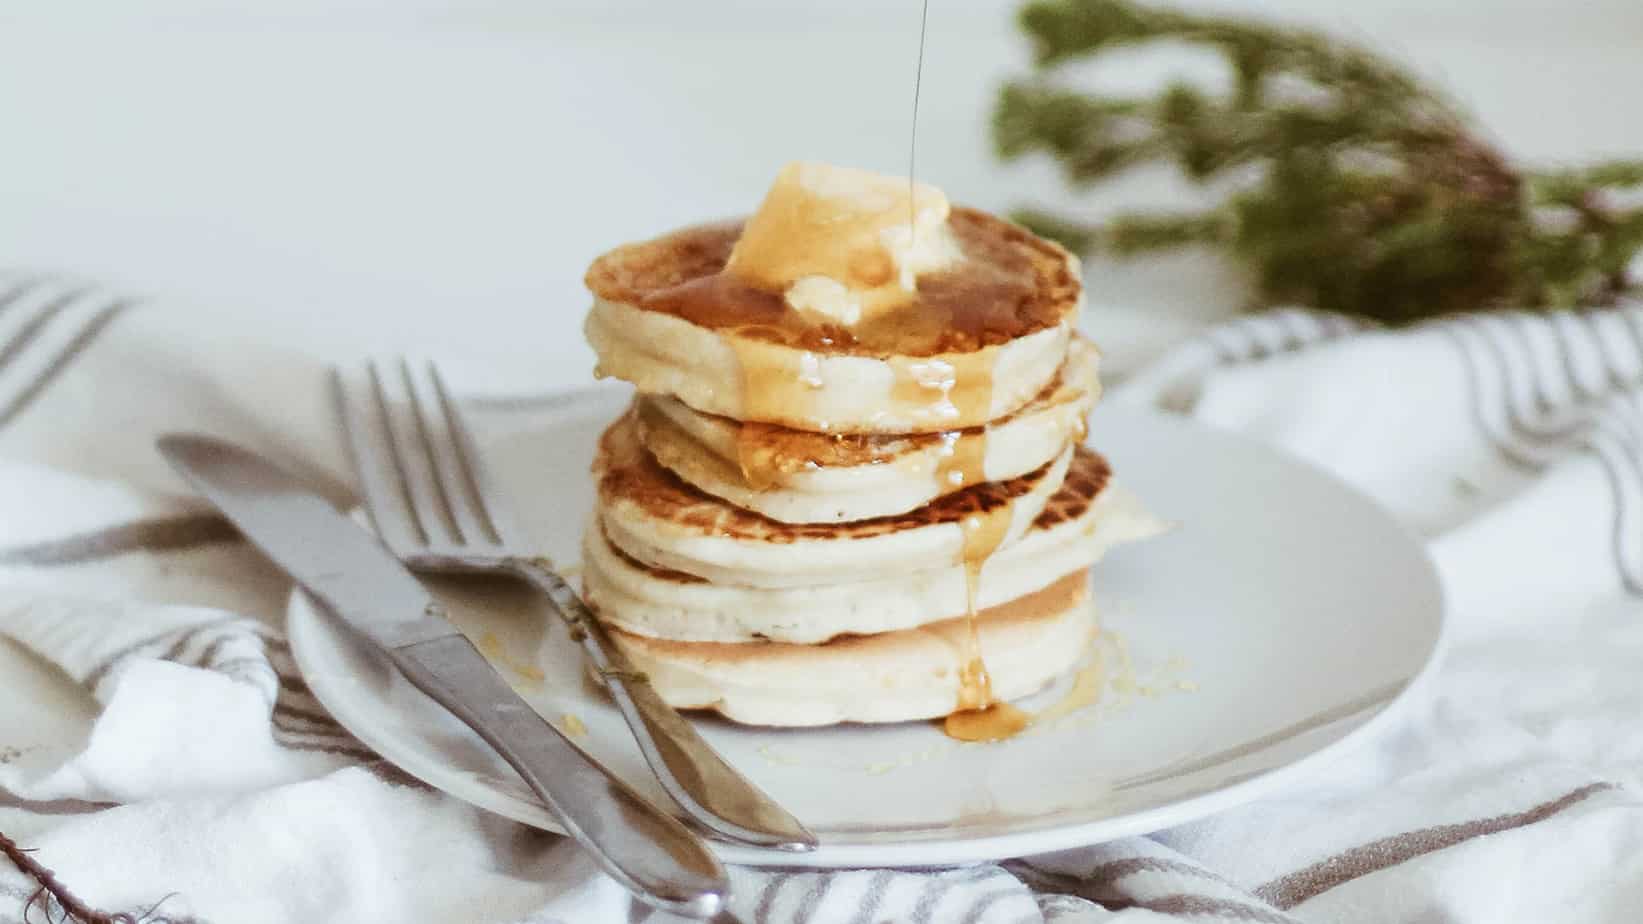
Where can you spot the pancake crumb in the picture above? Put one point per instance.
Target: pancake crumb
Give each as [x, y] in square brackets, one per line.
[525, 674]
[778, 758]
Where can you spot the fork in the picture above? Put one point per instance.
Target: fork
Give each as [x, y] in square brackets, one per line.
[439, 509]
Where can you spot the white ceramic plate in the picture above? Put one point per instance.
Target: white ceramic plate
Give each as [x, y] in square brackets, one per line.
[1284, 621]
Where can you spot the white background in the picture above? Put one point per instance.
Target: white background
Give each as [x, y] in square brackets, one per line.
[415, 175]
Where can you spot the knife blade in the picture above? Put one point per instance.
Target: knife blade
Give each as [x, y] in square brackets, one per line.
[357, 578]
[346, 568]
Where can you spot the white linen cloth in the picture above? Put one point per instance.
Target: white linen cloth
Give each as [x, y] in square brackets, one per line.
[214, 788]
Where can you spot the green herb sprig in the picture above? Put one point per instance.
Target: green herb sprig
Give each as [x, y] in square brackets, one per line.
[1373, 195]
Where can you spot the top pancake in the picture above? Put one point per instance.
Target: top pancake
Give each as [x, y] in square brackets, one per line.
[1010, 284]
[973, 343]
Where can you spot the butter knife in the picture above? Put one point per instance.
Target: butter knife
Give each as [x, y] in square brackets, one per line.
[355, 577]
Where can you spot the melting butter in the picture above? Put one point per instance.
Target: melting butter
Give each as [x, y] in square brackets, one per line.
[841, 243]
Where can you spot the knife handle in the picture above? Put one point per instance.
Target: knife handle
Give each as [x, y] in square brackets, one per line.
[710, 790]
[645, 849]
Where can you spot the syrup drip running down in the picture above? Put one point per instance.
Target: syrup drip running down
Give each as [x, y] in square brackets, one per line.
[978, 716]
[756, 454]
[776, 384]
[962, 461]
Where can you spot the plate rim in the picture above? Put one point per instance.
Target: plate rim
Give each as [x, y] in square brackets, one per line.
[306, 623]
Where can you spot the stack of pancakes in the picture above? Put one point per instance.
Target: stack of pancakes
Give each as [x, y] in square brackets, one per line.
[849, 501]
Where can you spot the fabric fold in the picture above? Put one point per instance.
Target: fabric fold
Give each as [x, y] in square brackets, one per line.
[213, 787]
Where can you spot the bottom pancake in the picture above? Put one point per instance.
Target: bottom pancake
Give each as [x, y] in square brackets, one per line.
[891, 677]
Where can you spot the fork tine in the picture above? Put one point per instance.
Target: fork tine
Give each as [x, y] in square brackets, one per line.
[387, 498]
[37, 323]
[412, 454]
[469, 465]
[436, 417]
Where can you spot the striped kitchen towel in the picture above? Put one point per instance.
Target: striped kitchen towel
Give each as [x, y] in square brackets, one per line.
[212, 787]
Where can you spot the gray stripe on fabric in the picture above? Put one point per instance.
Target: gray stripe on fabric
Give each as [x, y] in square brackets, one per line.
[1566, 327]
[1052, 907]
[283, 721]
[19, 289]
[78, 345]
[1563, 325]
[1611, 355]
[31, 329]
[1114, 870]
[1530, 446]
[1040, 878]
[288, 729]
[208, 655]
[1315, 721]
[339, 743]
[234, 665]
[989, 899]
[1224, 909]
[1529, 420]
[1295, 888]
[767, 897]
[356, 753]
[293, 684]
[391, 775]
[250, 671]
[178, 647]
[1630, 320]
[1620, 527]
[1459, 334]
[941, 886]
[311, 716]
[160, 534]
[874, 897]
[10, 800]
[807, 905]
[1099, 890]
[95, 677]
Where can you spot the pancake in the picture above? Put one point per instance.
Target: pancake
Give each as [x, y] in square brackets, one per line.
[890, 677]
[1088, 516]
[797, 476]
[976, 342]
[655, 518]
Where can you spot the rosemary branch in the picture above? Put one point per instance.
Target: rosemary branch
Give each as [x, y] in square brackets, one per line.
[1373, 194]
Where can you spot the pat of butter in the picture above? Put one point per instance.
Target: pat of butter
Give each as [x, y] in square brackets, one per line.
[841, 243]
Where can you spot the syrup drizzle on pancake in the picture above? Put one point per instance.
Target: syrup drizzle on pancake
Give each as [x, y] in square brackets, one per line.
[1009, 284]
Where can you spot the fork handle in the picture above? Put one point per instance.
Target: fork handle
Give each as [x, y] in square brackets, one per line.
[645, 849]
[709, 790]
